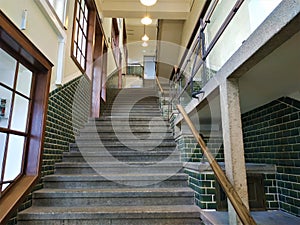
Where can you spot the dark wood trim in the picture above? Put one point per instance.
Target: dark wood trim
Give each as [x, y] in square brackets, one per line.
[115, 26]
[97, 72]
[124, 33]
[21, 44]
[73, 39]
[15, 196]
[90, 43]
[104, 71]
[23, 50]
[14, 91]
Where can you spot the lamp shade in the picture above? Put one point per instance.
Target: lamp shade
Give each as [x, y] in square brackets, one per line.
[145, 44]
[145, 38]
[148, 2]
[146, 20]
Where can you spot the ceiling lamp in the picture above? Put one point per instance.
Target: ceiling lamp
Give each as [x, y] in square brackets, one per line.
[145, 38]
[146, 20]
[148, 2]
[145, 44]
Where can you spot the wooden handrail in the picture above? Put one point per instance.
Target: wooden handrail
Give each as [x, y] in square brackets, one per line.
[241, 210]
[159, 85]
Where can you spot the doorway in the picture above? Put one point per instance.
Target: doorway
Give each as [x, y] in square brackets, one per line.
[149, 71]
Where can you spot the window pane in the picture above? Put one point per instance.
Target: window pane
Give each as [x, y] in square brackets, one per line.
[8, 68]
[5, 103]
[81, 19]
[24, 80]
[20, 113]
[76, 33]
[83, 46]
[14, 159]
[86, 11]
[85, 28]
[78, 56]
[82, 62]
[82, 4]
[75, 49]
[2, 148]
[80, 39]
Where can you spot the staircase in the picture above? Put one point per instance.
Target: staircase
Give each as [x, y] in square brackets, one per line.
[123, 169]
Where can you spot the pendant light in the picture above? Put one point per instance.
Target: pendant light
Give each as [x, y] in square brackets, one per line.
[145, 37]
[148, 2]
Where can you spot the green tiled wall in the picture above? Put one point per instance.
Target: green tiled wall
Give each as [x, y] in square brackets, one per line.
[191, 151]
[204, 185]
[271, 135]
[68, 110]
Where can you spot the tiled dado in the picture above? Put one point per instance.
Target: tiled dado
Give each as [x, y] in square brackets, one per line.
[272, 136]
[202, 180]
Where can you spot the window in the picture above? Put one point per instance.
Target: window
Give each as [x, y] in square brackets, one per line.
[15, 102]
[80, 34]
[59, 7]
[24, 90]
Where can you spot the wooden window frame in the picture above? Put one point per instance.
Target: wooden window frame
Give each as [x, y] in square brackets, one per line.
[89, 8]
[8, 131]
[14, 42]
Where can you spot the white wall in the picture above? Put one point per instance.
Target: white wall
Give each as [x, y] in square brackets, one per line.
[191, 22]
[38, 29]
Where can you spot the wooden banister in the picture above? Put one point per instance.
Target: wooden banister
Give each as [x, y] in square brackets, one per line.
[159, 85]
[241, 210]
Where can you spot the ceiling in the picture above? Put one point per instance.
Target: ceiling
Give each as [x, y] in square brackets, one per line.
[133, 11]
[163, 9]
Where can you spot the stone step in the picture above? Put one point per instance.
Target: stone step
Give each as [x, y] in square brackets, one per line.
[118, 168]
[135, 108]
[126, 105]
[112, 149]
[126, 129]
[129, 156]
[141, 145]
[113, 197]
[127, 114]
[117, 215]
[122, 105]
[125, 133]
[96, 181]
[132, 123]
[133, 141]
[131, 119]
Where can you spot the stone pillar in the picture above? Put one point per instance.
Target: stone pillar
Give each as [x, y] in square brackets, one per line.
[233, 143]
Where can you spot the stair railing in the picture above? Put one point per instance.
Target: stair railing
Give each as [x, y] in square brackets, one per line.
[159, 85]
[162, 95]
[241, 210]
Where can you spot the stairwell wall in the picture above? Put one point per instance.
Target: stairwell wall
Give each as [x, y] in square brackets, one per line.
[68, 111]
[271, 136]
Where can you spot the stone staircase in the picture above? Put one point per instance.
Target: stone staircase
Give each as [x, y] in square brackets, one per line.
[123, 169]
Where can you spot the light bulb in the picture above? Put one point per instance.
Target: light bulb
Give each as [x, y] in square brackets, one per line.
[148, 2]
[146, 20]
[145, 44]
[145, 38]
